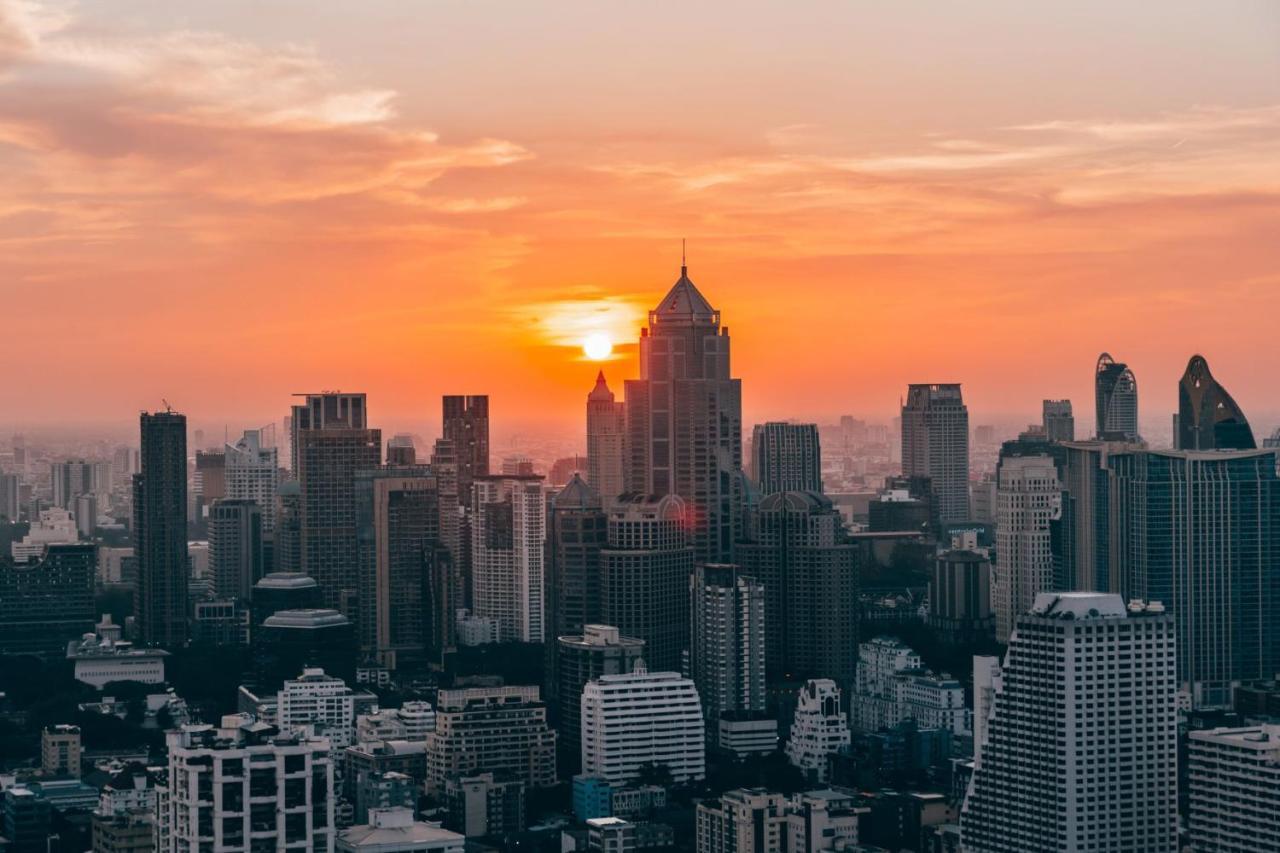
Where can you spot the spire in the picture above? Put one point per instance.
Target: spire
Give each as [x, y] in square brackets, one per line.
[684, 260]
[601, 392]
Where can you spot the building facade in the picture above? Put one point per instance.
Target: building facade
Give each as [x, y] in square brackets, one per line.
[819, 729]
[1058, 421]
[1234, 789]
[508, 541]
[727, 639]
[629, 721]
[497, 729]
[237, 552]
[935, 444]
[466, 429]
[1115, 391]
[606, 441]
[598, 650]
[160, 530]
[1028, 501]
[786, 457]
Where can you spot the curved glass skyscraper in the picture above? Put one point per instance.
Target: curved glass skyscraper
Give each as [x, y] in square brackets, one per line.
[1116, 400]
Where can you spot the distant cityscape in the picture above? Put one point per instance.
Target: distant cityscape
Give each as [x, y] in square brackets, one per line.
[685, 633]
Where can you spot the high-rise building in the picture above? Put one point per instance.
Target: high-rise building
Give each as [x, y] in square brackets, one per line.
[577, 529]
[331, 443]
[273, 789]
[798, 548]
[598, 650]
[1115, 392]
[629, 721]
[160, 530]
[726, 643]
[466, 428]
[320, 701]
[960, 597]
[210, 481]
[10, 500]
[1058, 421]
[818, 730]
[408, 591]
[644, 575]
[746, 820]
[508, 542]
[1208, 417]
[237, 554]
[1080, 748]
[1234, 790]
[684, 419]
[1200, 531]
[496, 729]
[401, 452]
[69, 480]
[606, 441]
[287, 551]
[252, 473]
[935, 444]
[786, 457]
[1028, 500]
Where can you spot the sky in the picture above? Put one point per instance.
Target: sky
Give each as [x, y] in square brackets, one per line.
[220, 204]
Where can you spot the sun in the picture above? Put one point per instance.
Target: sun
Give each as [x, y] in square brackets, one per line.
[597, 346]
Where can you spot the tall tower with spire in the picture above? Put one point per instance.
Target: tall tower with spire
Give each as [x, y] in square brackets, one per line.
[606, 440]
[684, 419]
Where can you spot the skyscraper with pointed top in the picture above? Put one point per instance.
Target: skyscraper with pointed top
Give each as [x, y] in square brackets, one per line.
[606, 434]
[684, 419]
[1208, 417]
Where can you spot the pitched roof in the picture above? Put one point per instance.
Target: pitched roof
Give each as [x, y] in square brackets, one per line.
[684, 304]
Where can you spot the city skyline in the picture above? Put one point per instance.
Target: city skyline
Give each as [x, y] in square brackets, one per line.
[342, 201]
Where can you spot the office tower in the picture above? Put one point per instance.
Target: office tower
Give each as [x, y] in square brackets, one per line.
[287, 551]
[1200, 532]
[401, 452]
[818, 730]
[160, 530]
[10, 500]
[273, 788]
[60, 751]
[1115, 392]
[86, 512]
[786, 458]
[252, 473]
[935, 444]
[960, 597]
[598, 650]
[1028, 499]
[321, 701]
[466, 428]
[331, 443]
[642, 718]
[237, 556]
[125, 462]
[684, 419]
[577, 528]
[644, 576]
[1058, 421]
[1208, 418]
[1079, 746]
[289, 641]
[746, 820]
[498, 729]
[798, 548]
[1234, 796]
[726, 644]
[606, 437]
[408, 591]
[508, 541]
[211, 476]
[69, 480]
[394, 830]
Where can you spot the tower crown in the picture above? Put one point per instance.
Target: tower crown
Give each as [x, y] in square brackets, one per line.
[601, 392]
[684, 305]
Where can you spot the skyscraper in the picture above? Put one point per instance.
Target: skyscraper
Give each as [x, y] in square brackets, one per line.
[644, 575]
[71, 479]
[1208, 418]
[466, 427]
[960, 597]
[508, 538]
[332, 442]
[252, 473]
[1080, 749]
[237, 555]
[160, 530]
[786, 457]
[401, 452]
[577, 528]
[798, 548]
[10, 504]
[1059, 423]
[726, 644]
[606, 435]
[684, 419]
[582, 657]
[1028, 499]
[1115, 393]
[1200, 531]
[629, 721]
[935, 444]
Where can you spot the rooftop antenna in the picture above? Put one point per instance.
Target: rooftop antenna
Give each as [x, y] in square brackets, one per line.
[684, 263]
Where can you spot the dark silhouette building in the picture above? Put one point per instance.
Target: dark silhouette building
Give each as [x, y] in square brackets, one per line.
[577, 530]
[1208, 418]
[1058, 420]
[47, 602]
[466, 427]
[160, 530]
[1115, 400]
[237, 555]
[935, 444]
[786, 457]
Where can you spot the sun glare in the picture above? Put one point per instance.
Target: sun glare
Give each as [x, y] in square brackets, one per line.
[597, 346]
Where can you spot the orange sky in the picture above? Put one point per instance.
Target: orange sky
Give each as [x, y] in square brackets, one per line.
[220, 203]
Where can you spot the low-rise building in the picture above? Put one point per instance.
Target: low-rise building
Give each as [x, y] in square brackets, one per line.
[99, 660]
[484, 804]
[1234, 788]
[746, 733]
[394, 830]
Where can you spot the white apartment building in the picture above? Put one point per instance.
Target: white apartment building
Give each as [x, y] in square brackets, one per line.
[508, 534]
[893, 686]
[411, 721]
[321, 701]
[819, 729]
[1028, 497]
[1080, 749]
[252, 473]
[1234, 789]
[243, 787]
[642, 718]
